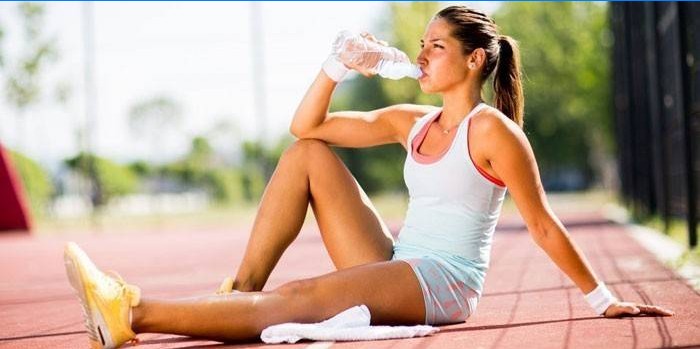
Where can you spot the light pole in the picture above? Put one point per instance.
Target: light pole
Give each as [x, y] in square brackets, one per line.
[259, 95]
[90, 100]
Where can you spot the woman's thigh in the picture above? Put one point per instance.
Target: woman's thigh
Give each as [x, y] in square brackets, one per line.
[350, 225]
[389, 289]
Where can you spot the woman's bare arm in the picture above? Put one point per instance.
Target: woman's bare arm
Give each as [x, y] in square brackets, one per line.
[313, 108]
[511, 156]
[354, 129]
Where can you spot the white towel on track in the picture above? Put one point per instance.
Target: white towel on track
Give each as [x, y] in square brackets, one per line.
[352, 324]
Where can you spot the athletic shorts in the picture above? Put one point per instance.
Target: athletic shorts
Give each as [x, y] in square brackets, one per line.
[447, 299]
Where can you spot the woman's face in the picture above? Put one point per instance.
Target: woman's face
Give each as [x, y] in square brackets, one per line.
[441, 59]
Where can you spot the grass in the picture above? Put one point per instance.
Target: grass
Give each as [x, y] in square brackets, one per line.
[239, 215]
[677, 230]
[390, 206]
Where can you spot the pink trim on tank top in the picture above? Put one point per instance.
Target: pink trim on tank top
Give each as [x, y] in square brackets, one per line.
[418, 141]
[481, 170]
[429, 159]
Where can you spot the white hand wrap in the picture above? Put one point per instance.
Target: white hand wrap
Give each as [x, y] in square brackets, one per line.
[335, 69]
[600, 299]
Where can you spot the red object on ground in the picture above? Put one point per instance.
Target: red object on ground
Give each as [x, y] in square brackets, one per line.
[14, 214]
[527, 303]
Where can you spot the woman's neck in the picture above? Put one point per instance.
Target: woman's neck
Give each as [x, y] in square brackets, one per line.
[455, 107]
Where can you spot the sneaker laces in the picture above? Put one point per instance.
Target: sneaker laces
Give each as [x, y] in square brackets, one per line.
[125, 289]
[122, 288]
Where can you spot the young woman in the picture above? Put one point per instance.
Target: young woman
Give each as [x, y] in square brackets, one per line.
[460, 160]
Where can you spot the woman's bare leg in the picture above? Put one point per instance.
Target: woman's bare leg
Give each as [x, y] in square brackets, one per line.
[310, 172]
[390, 290]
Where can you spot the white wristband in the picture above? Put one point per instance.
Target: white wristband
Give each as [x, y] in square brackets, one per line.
[335, 69]
[600, 299]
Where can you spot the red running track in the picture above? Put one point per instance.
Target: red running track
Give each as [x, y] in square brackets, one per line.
[527, 302]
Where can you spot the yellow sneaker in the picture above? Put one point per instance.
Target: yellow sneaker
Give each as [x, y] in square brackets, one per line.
[106, 301]
[226, 286]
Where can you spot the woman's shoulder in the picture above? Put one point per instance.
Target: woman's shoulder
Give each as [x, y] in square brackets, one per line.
[491, 130]
[491, 122]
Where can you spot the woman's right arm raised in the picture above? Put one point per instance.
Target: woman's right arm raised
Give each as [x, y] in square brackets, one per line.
[352, 129]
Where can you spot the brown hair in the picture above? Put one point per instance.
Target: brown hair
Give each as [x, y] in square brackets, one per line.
[475, 30]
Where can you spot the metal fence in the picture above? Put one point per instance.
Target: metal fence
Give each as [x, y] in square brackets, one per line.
[657, 108]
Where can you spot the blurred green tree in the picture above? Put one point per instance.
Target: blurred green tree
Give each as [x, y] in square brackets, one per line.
[23, 84]
[36, 182]
[23, 89]
[259, 162]
[565, 50]
[114, 179]
[141, 168]
[203, 169]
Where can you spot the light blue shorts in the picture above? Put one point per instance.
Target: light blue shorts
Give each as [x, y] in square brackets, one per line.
[447, 299]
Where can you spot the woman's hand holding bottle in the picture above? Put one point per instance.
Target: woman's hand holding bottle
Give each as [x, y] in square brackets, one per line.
[368, 56]
[357, 55]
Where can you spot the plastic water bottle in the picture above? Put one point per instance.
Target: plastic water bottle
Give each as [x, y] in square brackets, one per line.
[388, 62]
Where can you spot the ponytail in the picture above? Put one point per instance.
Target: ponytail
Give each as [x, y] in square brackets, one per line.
[507, 87]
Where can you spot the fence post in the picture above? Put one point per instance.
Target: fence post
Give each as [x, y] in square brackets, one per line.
[691, 111]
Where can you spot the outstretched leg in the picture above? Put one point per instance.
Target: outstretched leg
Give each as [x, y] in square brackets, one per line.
[310, 172]
[390, 290]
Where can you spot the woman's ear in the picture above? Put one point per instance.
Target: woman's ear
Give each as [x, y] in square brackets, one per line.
[478, 57]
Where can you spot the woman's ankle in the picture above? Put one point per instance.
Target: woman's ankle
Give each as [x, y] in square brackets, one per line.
[136, 318]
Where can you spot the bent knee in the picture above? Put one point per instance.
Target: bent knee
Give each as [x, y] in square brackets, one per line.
[305, 149]
[298, 289]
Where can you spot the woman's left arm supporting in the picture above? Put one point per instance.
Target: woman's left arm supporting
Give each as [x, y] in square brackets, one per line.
[511, 156]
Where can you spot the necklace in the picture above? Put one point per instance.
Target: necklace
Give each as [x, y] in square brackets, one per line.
[447, 130]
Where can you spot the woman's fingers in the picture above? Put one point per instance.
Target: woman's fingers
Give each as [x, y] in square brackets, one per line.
[628, 308]
[373, 38]
[654, 309]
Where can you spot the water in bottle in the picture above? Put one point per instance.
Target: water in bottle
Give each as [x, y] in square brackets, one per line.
[388, 62]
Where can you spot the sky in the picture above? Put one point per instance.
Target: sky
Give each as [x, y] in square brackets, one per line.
[196, 53]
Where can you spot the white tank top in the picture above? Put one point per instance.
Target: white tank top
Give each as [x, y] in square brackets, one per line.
[453, 204]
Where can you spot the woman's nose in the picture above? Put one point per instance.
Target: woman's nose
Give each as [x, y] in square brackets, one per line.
[421, 58]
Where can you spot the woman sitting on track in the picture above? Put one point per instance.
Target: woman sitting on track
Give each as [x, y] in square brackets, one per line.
[460, 160]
